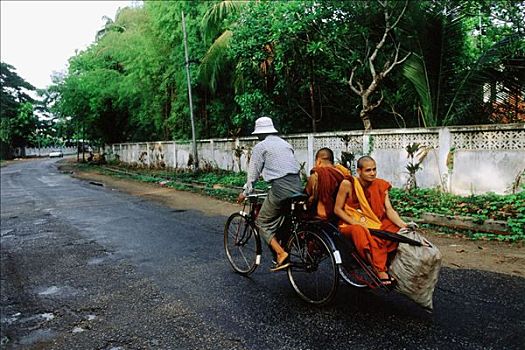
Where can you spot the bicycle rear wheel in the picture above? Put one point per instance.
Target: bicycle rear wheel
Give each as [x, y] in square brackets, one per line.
[313, 273]
[242, 244]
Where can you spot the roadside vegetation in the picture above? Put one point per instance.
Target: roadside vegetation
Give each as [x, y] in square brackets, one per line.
[509, 208]
[226, 185]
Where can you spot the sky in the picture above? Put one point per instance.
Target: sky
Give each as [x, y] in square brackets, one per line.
[38, 37]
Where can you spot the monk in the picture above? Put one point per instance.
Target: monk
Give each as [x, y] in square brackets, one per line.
[323, 183]
[362, 203]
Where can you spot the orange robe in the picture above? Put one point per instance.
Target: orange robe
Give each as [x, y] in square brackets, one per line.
[363, 240]
[325, 188]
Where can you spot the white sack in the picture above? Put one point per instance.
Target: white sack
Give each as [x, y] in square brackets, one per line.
[416, 269]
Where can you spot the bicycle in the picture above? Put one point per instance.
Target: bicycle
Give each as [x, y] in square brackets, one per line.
[319, 254]
[313, 271]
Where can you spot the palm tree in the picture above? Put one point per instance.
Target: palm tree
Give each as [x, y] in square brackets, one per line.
[448, 86]
[216, 60]
[109, 26]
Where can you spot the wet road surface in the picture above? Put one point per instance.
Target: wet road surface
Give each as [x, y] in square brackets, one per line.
[84, 266]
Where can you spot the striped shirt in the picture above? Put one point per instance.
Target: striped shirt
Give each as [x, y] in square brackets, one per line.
[272, 158]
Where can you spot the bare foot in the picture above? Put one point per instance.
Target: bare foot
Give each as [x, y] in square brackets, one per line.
[385, 278]
[282, 262]
[382, 275]
[281, 258]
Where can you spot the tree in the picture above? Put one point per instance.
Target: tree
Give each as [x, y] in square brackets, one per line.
[99, 94]
[451, 74]
[280, 67]
[167, 27]
[18, 122]
[369, 60]
[14, 89]
[311, 65]
[306, 88]
[311, 47]
[109, 26]
[217, 24]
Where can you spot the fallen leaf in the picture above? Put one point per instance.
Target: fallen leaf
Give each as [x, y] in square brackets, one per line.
[460, 251]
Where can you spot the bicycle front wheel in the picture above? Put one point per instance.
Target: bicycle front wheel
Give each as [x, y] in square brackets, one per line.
[242, 244]
[313, 272]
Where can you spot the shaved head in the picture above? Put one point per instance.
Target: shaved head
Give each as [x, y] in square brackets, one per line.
[362, 160]
[325, 154]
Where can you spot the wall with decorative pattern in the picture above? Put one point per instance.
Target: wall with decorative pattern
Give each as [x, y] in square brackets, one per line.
[462, 160]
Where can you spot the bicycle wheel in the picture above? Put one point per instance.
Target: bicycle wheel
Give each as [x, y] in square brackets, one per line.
[351, 270]
[242, 244]
[354, 276]
[313, 273]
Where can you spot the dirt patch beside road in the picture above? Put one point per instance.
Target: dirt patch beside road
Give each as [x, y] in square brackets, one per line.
[458, 252]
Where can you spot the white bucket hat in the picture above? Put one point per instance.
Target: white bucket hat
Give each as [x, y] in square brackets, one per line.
[264, 125]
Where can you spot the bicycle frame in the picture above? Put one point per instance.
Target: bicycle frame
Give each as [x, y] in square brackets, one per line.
[291, 217]
[254, 206]
[315, 247]
[311, 246]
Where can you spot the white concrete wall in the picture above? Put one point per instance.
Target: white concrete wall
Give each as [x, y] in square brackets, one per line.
[482, 171]
[44, 152]
[461, 160]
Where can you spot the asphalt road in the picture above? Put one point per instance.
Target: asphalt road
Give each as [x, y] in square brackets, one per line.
[88, 267]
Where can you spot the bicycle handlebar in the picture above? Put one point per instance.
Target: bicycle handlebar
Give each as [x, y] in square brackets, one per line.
[255, 196]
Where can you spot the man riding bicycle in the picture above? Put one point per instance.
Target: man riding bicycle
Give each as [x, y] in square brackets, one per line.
[274, 159]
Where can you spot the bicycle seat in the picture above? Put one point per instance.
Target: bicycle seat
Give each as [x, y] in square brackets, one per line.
[298, 200]
[297, 197]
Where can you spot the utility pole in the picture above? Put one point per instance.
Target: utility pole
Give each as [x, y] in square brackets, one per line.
[193, 141]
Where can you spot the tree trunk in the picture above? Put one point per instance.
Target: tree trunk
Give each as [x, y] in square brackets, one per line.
[366, 108]
[357, 86]
[365, 117]
[167, 112]
[312, 107]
